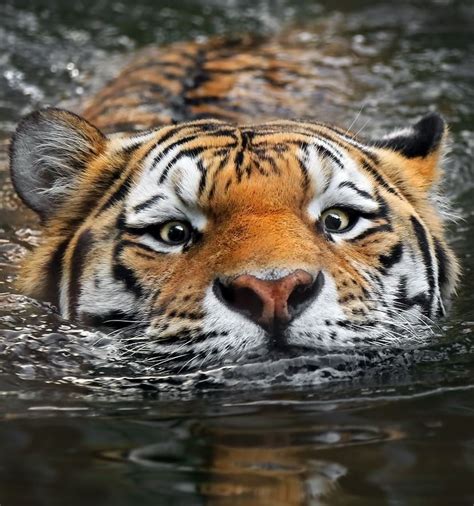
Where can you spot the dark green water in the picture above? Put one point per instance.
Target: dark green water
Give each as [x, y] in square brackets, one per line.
[78, 428]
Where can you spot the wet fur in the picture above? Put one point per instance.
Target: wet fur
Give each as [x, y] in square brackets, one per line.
[254, 195]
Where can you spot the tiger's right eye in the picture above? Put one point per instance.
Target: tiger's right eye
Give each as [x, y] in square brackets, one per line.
[174, 233]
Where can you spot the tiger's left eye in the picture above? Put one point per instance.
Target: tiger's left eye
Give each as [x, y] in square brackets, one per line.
[337, 220]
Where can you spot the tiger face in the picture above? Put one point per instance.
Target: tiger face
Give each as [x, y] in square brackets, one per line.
[222, 243]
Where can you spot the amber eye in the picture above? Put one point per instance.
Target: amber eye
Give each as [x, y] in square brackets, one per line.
[175, 233]
[337, 220]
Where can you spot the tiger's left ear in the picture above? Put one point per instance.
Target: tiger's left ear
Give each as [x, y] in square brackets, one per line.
[49, 152]
[415, 151]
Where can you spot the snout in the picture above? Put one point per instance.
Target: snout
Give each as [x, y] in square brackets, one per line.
[272, 304]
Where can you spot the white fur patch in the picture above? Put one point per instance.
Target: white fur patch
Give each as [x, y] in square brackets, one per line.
[327, 177]
[164, 203]
[107, 296]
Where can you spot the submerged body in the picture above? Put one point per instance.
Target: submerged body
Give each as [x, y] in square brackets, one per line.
[220, 242]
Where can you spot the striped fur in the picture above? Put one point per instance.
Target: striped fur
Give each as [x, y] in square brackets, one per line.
[254, 196]
[231, 80]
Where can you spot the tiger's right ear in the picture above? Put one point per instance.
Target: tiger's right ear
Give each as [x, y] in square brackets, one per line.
[48, 152]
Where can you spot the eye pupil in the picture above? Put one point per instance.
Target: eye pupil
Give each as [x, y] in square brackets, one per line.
[333, 222]
[338, 220]
[173, 233]
[177, 233]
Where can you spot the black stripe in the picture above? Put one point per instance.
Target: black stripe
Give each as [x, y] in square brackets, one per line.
[401, 297]
[258, 166]
[119, 194]
[392, 257]
[54, 274]
[165, 137]
[362, 193]
[129, 150]
[444, 266]
[380, 179]
[123, 273]
[165, 150]
[322, 152]
[202, 181]
[211, 129]
[222, 164]
[404, 301]
[374, 230]
[117, 319]
[178, 192]
[105, 185]
[304, 172]
[145, 205]
[193, 152]
[325, 152]
[144, 247]
[273, 164]
[383, 209]
[315, 135]
[83, 245]
[423, 243]
[245, 138]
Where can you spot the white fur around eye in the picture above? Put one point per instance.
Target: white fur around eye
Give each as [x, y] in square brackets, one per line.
[166, 205]
[360, 226]
[159, 246]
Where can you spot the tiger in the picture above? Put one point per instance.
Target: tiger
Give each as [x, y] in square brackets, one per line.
[222, 239]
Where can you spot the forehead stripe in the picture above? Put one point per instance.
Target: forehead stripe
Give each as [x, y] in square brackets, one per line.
[148, 203]
[119, 193]
[323, 151]
[352, 186]
[193, 152]
[162, 151]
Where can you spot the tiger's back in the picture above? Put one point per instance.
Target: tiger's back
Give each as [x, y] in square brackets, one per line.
[237, 80]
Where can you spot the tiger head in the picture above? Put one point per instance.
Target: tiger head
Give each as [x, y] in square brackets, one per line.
[221, 242]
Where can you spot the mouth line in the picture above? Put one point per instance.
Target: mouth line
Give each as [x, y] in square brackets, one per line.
[277, 340]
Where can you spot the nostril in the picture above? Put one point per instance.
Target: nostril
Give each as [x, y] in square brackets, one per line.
[299, 295]
[222, 291]
[303, 295]
[241, 299]
[247, 302]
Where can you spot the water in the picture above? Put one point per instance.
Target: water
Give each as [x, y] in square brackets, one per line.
[80, 424]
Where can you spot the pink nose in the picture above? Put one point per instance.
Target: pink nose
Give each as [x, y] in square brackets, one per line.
[270, 303]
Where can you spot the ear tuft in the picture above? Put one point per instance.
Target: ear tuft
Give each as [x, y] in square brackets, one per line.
[48, 152]
[420, 140]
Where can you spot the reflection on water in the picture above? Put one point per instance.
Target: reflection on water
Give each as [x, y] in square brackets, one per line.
[79, 423]
[225, 451]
